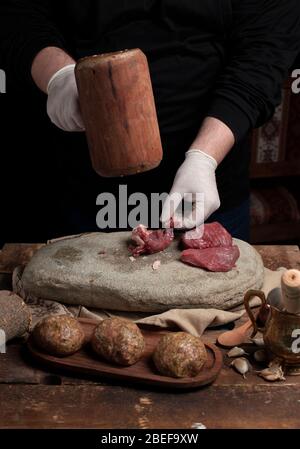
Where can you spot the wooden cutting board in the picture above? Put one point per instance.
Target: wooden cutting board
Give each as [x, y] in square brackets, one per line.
[144, 371]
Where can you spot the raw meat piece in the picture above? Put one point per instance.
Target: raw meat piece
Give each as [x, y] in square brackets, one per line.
[213, 235]
[221, 259]
[150, 242]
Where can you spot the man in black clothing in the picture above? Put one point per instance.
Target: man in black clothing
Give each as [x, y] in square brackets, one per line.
[217, 67]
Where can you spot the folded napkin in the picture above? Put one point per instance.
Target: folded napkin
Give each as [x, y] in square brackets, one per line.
[194, 321]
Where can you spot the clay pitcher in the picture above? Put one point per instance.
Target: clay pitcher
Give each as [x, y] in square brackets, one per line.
[281, 329]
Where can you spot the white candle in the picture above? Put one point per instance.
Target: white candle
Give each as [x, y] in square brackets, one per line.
[290, 285]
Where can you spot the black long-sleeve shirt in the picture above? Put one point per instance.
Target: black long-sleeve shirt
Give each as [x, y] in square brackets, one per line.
[225, 58]
[222, 58]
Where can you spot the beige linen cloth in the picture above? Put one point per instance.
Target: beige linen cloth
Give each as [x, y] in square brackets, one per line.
[194, 321]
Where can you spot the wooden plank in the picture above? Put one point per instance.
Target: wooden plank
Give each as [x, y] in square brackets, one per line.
[14, 369]
[274, 256]
[95, 407]
[17, 367]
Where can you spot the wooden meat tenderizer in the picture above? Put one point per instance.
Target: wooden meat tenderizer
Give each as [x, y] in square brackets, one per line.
[290, 286]
[118, 110]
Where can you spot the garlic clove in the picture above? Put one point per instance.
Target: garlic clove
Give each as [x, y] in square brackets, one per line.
[272, 374]
[272, 377]
[260, 356]
[241, 365]
[236, 352]
[258, 341]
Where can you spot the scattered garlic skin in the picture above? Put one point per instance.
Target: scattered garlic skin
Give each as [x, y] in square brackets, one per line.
[272, 374]
[236, 352]
[156, 265]
[199, 425]
[274, 371]
[241, 365]
[272, 377]
[275, 363]
[260, 356]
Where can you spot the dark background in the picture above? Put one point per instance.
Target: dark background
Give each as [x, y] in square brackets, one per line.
[29, 180]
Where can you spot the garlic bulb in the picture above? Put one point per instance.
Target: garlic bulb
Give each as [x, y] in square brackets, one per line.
[241, 365]
[236, 352]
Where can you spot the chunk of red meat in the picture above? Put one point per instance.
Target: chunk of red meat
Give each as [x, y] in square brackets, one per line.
[220, 259]
[210, 235]
[150, 242]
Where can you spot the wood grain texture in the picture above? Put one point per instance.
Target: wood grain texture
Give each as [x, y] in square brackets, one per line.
[117, 407]
[144, 371]
[274, 256]
[119, 113]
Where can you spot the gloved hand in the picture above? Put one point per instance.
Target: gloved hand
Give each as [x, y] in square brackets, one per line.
[196, 182]
[63, 101]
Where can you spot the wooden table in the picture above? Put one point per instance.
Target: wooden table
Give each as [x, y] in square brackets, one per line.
[32, 397]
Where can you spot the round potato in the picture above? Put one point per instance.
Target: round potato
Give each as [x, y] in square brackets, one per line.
[119, 341]
[180, 355]
[59, 335]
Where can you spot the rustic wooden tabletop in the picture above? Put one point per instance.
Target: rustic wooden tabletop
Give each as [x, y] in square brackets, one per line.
[32, 397]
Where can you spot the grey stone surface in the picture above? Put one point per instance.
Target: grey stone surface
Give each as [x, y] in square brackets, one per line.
[95, 270]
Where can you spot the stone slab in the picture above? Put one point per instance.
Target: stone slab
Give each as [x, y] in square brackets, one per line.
[95, 270]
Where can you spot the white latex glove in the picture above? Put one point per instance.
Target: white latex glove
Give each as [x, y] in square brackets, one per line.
[196, 182]
[63, 101]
